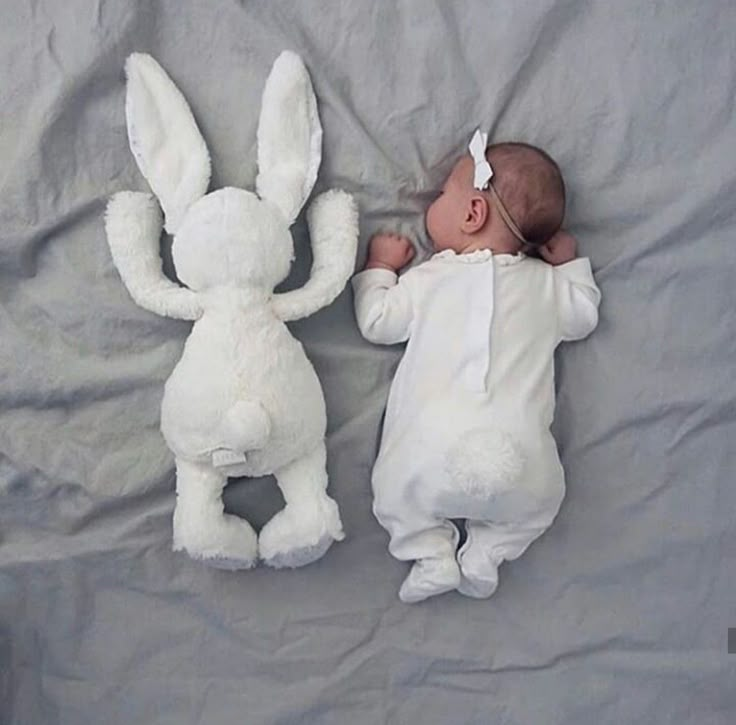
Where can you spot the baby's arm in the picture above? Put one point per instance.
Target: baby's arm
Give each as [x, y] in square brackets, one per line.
[577, 295]
[383, 304]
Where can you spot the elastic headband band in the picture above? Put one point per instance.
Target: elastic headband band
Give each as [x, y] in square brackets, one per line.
[507, 218]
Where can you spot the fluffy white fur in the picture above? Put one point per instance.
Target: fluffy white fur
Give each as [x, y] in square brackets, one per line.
[133, 223]
[244, 399]
[485, 463]
[289, 135]
[157, 139]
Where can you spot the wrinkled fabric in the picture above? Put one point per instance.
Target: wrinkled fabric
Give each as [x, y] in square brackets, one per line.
[618, 614]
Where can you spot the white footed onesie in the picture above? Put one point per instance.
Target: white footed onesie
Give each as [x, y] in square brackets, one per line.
[467, 427]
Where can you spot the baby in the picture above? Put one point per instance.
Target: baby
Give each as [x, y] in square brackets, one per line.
[467, 427]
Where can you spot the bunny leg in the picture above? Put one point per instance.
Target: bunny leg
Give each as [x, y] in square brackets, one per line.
[201, 526]
[302, 531]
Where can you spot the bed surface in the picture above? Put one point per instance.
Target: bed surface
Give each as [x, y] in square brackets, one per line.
[619, 614]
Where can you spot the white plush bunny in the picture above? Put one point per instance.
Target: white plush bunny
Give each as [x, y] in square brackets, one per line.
[244, 399]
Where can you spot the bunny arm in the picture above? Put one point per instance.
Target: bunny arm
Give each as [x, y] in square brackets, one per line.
[333, 227]
[133, 223]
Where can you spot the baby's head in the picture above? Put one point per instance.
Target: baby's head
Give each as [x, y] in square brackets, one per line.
[528, 188]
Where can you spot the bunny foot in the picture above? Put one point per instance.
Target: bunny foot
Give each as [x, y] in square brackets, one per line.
[296, 536]
[303, 531]
[230, 543]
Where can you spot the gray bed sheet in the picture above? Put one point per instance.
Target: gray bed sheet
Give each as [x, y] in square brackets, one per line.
[619, 614]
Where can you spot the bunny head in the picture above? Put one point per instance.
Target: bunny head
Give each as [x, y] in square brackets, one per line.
[229, 236]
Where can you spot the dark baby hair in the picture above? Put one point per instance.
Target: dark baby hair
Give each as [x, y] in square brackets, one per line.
[530, 184]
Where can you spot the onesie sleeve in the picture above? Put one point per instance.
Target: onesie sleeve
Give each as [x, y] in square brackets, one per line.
[577, 298]
[383, 306]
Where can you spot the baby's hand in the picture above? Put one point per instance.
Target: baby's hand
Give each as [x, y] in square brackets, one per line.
[389, 251]
[562, 248]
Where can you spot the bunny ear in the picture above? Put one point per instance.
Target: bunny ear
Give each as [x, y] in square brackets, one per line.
[164, 138]
[289, 136]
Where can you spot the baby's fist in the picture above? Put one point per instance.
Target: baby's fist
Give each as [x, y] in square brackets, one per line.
[389, 251]
[562, 248]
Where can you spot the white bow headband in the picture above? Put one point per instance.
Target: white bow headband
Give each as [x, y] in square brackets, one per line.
[482, 180]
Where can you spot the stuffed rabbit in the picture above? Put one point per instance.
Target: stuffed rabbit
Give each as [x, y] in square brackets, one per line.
[244, 399]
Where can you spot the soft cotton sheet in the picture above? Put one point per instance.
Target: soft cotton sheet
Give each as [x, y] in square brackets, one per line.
[618, 614]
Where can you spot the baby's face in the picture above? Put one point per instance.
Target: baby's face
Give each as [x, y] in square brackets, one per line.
[446, 213]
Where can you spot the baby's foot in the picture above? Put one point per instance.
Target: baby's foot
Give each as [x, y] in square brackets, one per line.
[429, 577]
[479, 571]
[478, 586]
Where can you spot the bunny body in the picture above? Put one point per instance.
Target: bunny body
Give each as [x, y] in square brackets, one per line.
[243, 400]
[246, 364]
[239, 351]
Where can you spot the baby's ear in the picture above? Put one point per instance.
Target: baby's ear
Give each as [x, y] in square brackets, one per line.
[289, 137]
[476, 214]
[164, 138]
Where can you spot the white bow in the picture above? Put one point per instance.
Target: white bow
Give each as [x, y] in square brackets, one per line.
[483, 171]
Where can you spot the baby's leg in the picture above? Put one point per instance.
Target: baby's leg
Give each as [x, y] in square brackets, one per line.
[488, 544]
[429, 541]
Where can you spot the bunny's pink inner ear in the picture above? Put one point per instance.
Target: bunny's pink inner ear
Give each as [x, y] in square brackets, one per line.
[289, 137]
[164, 138]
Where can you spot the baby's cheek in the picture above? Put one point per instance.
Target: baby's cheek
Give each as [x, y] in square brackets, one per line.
[429, 219]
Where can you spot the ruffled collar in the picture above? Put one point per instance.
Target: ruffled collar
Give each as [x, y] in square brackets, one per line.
[479, 256]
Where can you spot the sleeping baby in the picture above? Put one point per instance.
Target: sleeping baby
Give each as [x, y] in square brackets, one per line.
[467, 429]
